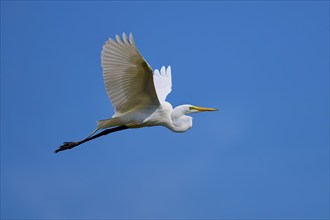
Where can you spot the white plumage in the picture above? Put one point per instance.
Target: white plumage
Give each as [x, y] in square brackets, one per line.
[127, 76]
[163, 82]
[137, 94]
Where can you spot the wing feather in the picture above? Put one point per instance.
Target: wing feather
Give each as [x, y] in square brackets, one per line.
[127, 76]
[163, 82]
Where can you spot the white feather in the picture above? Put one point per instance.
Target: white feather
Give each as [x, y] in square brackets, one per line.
[127, 76]
[163, 83]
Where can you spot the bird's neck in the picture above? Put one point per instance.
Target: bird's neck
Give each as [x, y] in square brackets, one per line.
[180, 121]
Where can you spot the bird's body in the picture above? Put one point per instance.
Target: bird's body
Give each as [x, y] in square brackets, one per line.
[146, 116]
[139, 117]
[137, 94]
[149, 116]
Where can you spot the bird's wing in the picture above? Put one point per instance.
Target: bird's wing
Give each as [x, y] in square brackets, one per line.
[163, 82]
[127, 76]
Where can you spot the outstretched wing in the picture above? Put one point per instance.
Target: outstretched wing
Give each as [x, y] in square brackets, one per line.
[163, 82]
[127, 76]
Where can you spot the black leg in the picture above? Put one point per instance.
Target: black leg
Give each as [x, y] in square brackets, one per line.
[70, 145]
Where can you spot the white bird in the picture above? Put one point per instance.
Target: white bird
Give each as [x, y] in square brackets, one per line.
[137, 94]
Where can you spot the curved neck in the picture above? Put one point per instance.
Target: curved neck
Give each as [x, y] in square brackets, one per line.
[180, 121]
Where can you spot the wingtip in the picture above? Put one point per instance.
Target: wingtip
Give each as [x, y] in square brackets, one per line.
[162, 70]
[126, 41]
[156, 71]
[131, 39]
[119, 41]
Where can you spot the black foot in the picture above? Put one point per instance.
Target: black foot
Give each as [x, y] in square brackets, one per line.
[67, 146]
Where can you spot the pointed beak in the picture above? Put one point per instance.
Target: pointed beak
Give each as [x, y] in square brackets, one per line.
[203, 109]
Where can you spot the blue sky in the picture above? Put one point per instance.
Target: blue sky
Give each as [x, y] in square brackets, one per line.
[265, 154]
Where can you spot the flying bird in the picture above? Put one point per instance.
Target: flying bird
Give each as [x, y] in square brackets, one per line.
[138, 94]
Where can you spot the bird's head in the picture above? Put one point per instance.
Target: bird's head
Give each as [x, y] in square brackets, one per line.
[182, 122]
[187, 109]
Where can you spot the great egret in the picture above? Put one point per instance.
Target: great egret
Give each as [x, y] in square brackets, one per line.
[136, 93]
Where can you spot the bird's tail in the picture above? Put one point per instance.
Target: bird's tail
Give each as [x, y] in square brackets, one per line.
[107, 123]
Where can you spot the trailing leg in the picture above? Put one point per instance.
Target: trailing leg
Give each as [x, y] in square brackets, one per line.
[70, 145]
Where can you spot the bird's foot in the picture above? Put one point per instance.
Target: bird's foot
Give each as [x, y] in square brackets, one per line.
[67, 146]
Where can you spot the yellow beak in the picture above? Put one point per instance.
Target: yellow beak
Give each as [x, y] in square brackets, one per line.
[203, 109]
